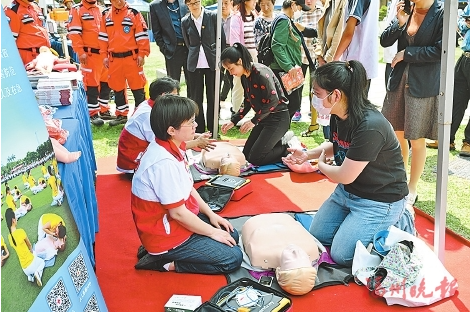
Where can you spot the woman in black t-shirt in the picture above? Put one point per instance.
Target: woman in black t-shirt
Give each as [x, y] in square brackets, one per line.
[262, 93]
[369, 170]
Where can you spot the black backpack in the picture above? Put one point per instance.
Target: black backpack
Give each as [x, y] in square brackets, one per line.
[265, 54]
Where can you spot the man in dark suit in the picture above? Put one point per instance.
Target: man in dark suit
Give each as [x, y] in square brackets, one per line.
[166, 17]
[199, 32]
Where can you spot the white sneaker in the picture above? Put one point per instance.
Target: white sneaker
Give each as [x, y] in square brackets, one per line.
[38, 279]
[287, 137]
[295, 143]
[31, 278]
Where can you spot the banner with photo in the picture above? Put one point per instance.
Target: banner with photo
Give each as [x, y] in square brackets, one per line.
[45, 265]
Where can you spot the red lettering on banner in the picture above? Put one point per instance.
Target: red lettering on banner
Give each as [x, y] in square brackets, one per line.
[447, 287]
[421, 290]
[398, 287]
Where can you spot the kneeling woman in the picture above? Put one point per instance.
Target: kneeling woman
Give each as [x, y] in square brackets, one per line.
[32, 265]
[177, 228]
[262, 93]
[372, 183]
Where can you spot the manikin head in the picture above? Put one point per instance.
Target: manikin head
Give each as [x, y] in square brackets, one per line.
[230, 166]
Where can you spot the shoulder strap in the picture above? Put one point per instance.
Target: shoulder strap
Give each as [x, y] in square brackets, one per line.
[275, 21]
[306, 50]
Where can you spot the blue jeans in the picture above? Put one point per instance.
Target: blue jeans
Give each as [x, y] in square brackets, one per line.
[344, 218]
[201, 254]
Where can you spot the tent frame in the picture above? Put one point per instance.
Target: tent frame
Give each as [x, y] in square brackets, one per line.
[444, 115]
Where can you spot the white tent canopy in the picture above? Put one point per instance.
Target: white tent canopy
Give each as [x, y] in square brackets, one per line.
[139, 5]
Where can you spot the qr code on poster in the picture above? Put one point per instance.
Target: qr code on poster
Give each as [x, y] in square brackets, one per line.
[58, 299]
[78, 272]
[92, 305]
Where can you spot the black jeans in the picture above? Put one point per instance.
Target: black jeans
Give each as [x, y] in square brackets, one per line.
[294, 98]
[460, 97]
[200, 78]
[175, 64]
[263, 145]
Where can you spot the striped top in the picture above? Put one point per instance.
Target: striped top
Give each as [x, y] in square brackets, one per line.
[249, 36]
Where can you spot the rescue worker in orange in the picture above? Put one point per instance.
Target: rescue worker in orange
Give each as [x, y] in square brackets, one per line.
[84, 26]
[69, 4]
[124, 43]
[27, 26]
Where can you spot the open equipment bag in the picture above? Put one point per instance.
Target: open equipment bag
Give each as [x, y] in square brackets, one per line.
[247, 293]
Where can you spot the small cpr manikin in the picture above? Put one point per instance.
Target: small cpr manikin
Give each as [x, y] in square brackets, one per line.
[45, 61]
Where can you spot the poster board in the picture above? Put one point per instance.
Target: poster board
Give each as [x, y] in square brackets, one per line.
[68, 280]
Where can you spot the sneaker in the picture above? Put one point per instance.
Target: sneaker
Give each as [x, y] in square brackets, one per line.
[288, 136]
[297, 116]
[151, 262]
[96, 120]
[465, 149]
[141, 252]
[434, 145]
[107, 116]
[295, 143]
[38, 279]
[120, 120]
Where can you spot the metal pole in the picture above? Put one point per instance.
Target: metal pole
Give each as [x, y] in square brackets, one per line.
[444, 123]
[217, 81]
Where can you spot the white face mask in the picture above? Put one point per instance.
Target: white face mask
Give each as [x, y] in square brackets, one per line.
[297, 15]
[318, 105]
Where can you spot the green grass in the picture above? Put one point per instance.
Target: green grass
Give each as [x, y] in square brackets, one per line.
[19, 296]
[105, 141]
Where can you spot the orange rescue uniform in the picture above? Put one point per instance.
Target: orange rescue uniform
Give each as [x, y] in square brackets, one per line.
[123, 37]
[27, 26]
[84, 26]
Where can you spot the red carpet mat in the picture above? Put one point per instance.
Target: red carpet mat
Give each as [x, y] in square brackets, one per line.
[126, 289]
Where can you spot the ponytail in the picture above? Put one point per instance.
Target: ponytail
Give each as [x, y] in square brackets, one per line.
[350, 78]
[9, 216]
[237, 51]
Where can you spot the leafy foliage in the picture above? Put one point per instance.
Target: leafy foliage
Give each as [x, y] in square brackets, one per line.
[383, 11]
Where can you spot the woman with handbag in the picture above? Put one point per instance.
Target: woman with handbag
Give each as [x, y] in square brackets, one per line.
[372, 184]
[262, 93]
[286, 45]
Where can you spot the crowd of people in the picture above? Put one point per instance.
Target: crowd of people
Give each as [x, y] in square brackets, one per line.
[337, 40]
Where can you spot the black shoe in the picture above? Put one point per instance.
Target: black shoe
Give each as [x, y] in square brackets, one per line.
[151, 262]
[120, 120]
[107, 116]
[141, 252]
[96, 120]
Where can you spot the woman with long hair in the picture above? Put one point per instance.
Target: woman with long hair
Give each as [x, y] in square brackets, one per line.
[372, 184]
[32, 265]
[263, 94]
[242, 31]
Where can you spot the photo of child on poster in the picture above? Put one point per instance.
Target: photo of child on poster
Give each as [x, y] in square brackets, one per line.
[37, 226]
